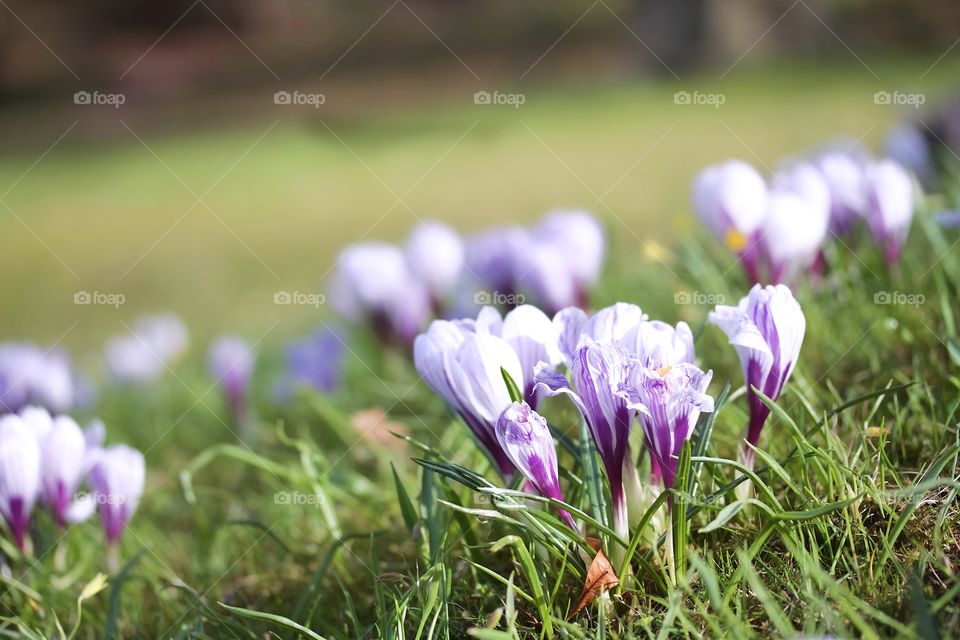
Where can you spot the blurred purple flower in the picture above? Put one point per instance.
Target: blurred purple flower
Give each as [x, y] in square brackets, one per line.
[767, 329]
[909, 146]
[890, 204]
[843, 173]
[491, 255]
[117, 481]
[524, 436]
[668, 399]
[948, 219]
[147, 351]
[63, 451]
[731, 200]
[315, 362]
[19, 475]
[581, 240]
[374, 285]
[30, 375]
[793, 231]
[435, 255]
[231, 361]
[463, 363]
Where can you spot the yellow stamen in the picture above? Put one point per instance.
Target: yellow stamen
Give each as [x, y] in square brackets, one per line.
[735, 240]
[663, 371]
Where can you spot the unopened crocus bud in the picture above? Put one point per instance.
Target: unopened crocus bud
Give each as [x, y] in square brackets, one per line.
[525, 438]
[117, 481]
[843, 174]
[435, 255]
[231, 363]
[792, 233]
[731, 200]
[767, 329]
[62, 456]
[890, 204]
[19, 475]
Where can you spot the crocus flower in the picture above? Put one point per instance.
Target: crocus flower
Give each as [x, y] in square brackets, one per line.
[890, 203]
[31, 375]
[63, 451]
[524, 436]
[154, 342]
[490, 258]
[843, 174]
[435, 255]
[766, 328]
[314, 362]
[730, 199]
[532, 336]
[231, 362]
[598, 371]
[19, 475]
[543, 272]
[373, 284]
[793, 231]
[117, 481]
[581, 239]
[909, 146]
[669, 399]
[463, 363]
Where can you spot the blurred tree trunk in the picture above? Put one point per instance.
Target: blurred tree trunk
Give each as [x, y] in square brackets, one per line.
[674, 30]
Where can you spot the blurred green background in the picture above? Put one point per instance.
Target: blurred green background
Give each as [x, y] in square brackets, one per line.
[201, 195]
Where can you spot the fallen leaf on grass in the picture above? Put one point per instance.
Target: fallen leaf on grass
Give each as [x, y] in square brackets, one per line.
[600, 577]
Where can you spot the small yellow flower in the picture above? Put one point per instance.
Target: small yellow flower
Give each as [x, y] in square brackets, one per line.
[735, 241]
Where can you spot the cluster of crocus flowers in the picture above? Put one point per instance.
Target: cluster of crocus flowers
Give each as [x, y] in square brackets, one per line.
[32, 375]
[777, 228]
[145, 353]
[608, 357]
[438, 274]
[48, 458]
[766, 328]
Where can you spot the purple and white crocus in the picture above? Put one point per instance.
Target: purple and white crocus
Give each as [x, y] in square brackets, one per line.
[668, 399]
[598, 371]
[63, 466]
[767, 329]
[117, 481]
[731, 200]
[19, 475]
[435, 255]
[524, 436]
[463, 362]
[890, 202]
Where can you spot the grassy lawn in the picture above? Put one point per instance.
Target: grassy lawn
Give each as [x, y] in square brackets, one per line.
[856, 533]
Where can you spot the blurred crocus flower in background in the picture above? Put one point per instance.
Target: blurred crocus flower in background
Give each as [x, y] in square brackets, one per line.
[231, 361]
[117, 481]
[490, 259]
[63, 458]
[19, 475]
[669, 399]
[730, 199]
[767, 329]
[154, 343]
[314, 362]
[435, 255]
[793, 232]
[463, 362]
[843, 174]
[31, 375]
[890, 202]
[524, 436]
[373, 284]
[582, 242]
